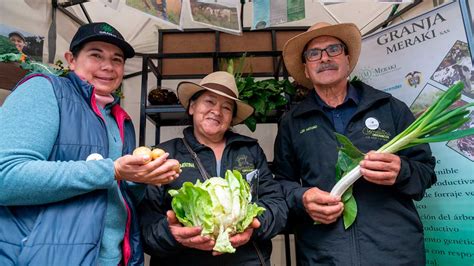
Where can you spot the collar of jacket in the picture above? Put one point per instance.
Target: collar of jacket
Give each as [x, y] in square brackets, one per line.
[368, 97]
[230, 137]
[86, 89]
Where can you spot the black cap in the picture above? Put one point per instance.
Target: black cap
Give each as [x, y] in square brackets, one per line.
[16, 33]
[103, 32]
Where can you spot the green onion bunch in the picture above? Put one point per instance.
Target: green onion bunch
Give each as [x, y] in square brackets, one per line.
[438, 123]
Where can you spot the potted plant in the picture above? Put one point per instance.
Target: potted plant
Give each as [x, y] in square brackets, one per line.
[265, 96]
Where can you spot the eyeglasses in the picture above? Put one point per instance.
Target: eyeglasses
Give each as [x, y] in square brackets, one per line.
[316, 54]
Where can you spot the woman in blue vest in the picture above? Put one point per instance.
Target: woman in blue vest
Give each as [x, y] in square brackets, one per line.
[67, 185]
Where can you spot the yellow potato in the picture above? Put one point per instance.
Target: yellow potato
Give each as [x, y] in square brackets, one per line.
[142, 150]
[176, 166]
[156, 153]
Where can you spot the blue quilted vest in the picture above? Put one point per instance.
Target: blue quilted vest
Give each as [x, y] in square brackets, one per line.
[70, 232]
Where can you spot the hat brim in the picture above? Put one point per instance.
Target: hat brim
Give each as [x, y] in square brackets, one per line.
[16, 33]
[348, 33]
[127, 49]
[187, 89]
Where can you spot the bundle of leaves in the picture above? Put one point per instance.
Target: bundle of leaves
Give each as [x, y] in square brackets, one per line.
[6, 46]
[33, 66]
[263, 95]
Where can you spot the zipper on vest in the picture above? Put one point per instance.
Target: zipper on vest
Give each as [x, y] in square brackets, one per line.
[355, 247]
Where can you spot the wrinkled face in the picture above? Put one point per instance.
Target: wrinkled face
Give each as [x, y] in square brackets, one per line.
[327, 71]
[99, 63]
[18, 42]
[212, 114]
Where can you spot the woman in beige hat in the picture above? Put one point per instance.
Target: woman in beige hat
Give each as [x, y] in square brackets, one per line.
[214, 107]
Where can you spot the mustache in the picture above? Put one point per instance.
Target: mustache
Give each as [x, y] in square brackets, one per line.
[327, 66]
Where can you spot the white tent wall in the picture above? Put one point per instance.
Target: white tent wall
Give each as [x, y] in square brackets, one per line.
[365, 16]
[142, 32]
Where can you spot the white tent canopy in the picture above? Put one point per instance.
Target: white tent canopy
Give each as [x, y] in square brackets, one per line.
[141, 30]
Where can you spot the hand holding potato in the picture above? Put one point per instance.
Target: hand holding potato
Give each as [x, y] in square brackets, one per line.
[141, 167]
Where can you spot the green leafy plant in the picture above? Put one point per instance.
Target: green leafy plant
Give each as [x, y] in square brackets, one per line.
[6, 46]
[263, 95]
[437, 124]
[33, 66]
[221, 207]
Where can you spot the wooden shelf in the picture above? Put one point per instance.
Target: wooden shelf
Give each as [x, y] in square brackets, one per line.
[201, 52]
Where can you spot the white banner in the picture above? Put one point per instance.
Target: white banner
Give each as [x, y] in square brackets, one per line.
[416, 61]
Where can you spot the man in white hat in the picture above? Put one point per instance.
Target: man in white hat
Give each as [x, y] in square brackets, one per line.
[387, 229]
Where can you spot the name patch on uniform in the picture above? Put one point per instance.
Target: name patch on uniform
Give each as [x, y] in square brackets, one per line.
[187, 165]
[313, 127]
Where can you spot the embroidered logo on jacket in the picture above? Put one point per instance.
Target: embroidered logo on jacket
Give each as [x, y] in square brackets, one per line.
[244, 164]
[187, 165]
[378, 134]
[313, 127]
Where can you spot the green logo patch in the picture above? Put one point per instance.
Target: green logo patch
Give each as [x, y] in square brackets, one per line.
[107, 28]
[378, 134]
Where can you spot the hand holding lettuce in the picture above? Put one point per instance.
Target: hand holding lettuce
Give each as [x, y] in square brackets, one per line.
[221, 207]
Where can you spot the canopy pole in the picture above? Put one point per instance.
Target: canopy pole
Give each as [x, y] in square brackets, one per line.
[391, 18]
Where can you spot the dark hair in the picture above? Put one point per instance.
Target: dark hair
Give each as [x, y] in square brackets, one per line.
[303, 58]
[199, 94]
[77, 49]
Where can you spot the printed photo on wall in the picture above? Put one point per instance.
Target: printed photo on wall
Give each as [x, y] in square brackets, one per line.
[165, 10]
[15, 40]
[223, 16]
[464, 146]
[425, 99]
[456, 66]
[268, 13]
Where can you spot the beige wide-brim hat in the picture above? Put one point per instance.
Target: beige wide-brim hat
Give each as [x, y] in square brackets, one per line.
[348, 33]
[221, 83]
